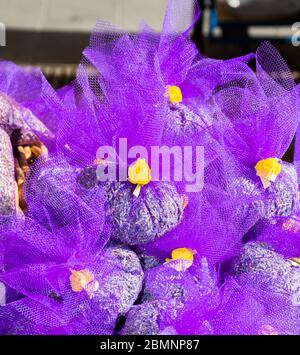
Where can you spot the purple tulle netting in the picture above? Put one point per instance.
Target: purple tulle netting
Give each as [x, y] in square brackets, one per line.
[25, 96]
[246, 310]
[53, 242]
[175, 301]
[92, 243]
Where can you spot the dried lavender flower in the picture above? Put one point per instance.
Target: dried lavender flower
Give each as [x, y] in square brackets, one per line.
[184, 122]
[13, 116]
[124, 283]
[281, 199]
[143, 319]
[7, 176]
[261, 266]
[139, 220]
[148, 261]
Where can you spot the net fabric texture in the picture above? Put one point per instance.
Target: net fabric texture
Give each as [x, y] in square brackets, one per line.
[61, 235]
[257, 117]
[55, 202]
[265, 106]
[282, 230]
[61, 273]
[175, 300]
[120, 92]
[26, 98]
[246, 310]
[42, 268]
[260, 294]
[282, 235]
[268, 270]
[46, 303]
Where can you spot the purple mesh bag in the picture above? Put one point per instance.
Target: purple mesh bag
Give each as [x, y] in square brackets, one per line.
[262, 295]
[260, 126]
[281, 230]
[25, 96]
[246, 310]
[170, 59]
[55, 202]
[176, 298]
[283, 233]
[120, 92]
[54, 306]
[63, 279]
[268, 270]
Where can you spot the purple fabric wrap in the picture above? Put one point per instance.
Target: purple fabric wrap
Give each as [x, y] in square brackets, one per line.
[62, 264]
[26, 98]
[120, 92]
[245, 310]
[280, 226]
[264, 117]
[40, 251]
[175, 302]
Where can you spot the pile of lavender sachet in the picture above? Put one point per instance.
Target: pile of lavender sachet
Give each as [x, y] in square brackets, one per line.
[149, 196]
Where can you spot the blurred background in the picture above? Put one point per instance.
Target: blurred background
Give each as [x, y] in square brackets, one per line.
[53, 33]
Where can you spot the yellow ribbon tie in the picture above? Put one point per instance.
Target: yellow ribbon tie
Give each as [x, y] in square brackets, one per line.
[83, 280]
[184, 259]
[139, 175]
[174, 93]
[268, 170]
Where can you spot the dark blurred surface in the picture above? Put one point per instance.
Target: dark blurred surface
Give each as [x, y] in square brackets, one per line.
[234, 24]
[44, 47]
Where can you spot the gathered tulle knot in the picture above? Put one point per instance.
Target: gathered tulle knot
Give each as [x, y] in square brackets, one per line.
[268, 170]
[83, 280]
[174, 93]
[181, 259]
[139, 174]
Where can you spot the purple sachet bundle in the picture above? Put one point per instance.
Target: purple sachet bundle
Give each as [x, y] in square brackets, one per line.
[129, 96]
[59, 276]
[246, 310]
[176, 298]
[24, 96]
[260, 265]
[74, 296]
[257, 118]
[283, 233]
[262, 295]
